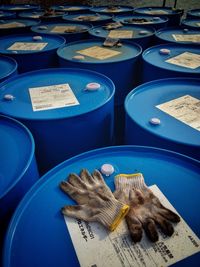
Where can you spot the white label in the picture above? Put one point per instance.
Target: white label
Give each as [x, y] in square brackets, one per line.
[195, 38]
[120, 34]
[97, 247]
[71, 8]
[114, 10]
[62, 29]
[27, 46]
[156, 12]
[87, 18]
[198, 24]
[12, 25]
[98, 52]
[186, 59]
[185, 108]
[52, 97]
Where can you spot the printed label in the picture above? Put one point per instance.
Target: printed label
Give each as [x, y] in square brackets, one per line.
[52, 97]
[98, 52]
[11, 25]
[120, 34]
[185, 108]
[156, 12]
[62, 29]
[195, 38]
[186, 59]
[27, 46]
[87, 18]
[71, 8]
[114, 10]
[96, 246]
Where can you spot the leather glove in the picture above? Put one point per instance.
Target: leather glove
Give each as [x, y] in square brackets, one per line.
[95, 200]
[146, 212]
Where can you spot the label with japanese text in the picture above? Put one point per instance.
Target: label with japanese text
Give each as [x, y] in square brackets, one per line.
[99, 52]
[186, 59]
[28, 46]
[12, 25]
[194, 38]
[95, 246]
[120, 34]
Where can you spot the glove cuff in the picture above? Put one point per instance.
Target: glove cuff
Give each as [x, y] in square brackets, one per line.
[113, 213]
[126, 182]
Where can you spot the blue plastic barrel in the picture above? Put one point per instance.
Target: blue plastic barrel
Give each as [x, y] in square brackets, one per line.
[70, 31]
[88, 18]
[18, 169]
[8, 67]
[112, 10]
[169, 118]
[178, 35]
[193, 14]
[137, 34]
[191, 23]
[7, 15]
[68, 111]
[110, 61]
[174, 15]
[71, 9]
[14, 26]
[43, 16]
[143, 20]
[171, 60]
[38, 235]
[32, 51]
[18, 7]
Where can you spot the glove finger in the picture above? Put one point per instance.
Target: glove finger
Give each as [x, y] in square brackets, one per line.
[98, 177]
[164, 225]
[75, 193]
[76, 181]
[78, 212]
[134, 226]
[86, 176]
[150, 229]
[169, 215]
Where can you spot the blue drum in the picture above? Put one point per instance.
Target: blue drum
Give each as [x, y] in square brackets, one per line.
[174, 15]
[14, 26]
[191, 23]
[70, 31]
[18, 7]
[123, 58]
[137, 34]
[38, 235]
[18, 168]
[178, 35]
[32, 51]
[8, 67]
[143, 20]
[7, 15]
[169, 118]
[89, 18]
[171, 60]
[47, 16]
[68, 111]
[113, 10]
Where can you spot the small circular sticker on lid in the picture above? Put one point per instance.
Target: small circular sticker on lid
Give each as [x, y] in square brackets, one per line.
[143, 32]
[164, 51]
[107, 169]
[42, 27]
[155, 121]
[92, 86]
[37, 38]
[78, 57]
[8, 97]
[185, 30]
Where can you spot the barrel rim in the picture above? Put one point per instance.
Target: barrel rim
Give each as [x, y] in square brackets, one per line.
[163, 19]
[31, 155]
[173, 12]
[13, 62]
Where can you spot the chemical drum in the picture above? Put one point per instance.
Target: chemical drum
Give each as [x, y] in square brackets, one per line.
[31, 51]
[39, 235]
[14, 26]
[193, 14]
[70, 31]
[171, 60]
[143, 20]
[8, 67]
[88, 18]
[18, 7]
[18, 168]
[52, 15]
[174, 15]
[122, 58]
[191, 23]
[68, 111]
[137, 34]
[168, 119]
[7, 15]
[71, 9]
[178, 35]
[113, 10]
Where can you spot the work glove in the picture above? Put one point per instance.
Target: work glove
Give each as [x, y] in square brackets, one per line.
[146, 212]
[95, 200]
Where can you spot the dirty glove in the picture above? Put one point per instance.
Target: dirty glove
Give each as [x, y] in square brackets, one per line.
[95, 199]
[146, 211]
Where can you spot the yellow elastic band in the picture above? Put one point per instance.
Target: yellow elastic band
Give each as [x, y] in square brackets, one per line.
[128, 175]
[124, 210]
